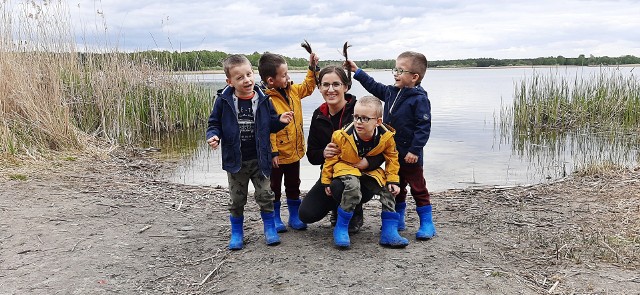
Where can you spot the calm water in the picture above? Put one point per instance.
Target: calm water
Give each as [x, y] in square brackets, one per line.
[466, 147]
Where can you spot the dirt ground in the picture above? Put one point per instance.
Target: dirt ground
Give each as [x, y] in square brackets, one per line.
[111, 225]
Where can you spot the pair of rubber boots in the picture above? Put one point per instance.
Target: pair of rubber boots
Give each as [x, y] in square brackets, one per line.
[389, 236]
[294, 218]
[356, 222]
[237, 231]
[427, 230]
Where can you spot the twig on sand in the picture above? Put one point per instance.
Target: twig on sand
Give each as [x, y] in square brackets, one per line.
[211, 273]
[144, 229]
[553, 288]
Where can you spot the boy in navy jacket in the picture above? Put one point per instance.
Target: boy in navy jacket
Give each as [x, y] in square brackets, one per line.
[408, 110]
[241, 122]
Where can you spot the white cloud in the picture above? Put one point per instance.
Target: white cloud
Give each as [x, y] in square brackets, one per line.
[377, 29]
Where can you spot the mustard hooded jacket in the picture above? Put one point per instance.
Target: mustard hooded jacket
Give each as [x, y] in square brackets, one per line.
[342, 164]
[288, 143]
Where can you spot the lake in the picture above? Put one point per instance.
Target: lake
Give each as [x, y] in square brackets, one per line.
[467, 146]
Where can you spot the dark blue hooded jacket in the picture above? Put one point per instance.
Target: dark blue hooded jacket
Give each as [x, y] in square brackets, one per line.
[407, 110]
[223, 122]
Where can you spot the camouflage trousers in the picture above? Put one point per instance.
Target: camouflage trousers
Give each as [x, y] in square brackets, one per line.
[239, 188]
[352, 195]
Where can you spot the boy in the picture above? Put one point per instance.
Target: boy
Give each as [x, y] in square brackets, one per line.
[241, 121]
[365, 136]
[287, 146]
[407, 109]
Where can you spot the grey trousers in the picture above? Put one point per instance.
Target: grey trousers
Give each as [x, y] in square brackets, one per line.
[239, 188]
[352, 194]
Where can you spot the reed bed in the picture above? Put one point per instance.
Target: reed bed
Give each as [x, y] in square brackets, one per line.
[54, 97]
[608, 99]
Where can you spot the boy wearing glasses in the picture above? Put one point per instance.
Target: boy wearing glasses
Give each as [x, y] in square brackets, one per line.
[241, 121]
[407, 109]
[365, 136]
[287, 146]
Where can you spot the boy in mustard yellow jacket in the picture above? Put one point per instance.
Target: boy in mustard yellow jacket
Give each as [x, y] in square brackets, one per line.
[287, 145]
[366, 136]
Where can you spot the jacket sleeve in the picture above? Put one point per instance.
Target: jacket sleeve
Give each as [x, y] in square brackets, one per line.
[377, 89]
[422, 112]
[329, 163]
[316, 142]
[305, 88]
[275, 124]
[374, 162]
[215, 120]
[274, 142]
[392, 165]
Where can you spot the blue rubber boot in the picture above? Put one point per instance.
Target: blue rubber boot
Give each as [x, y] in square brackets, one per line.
[341, 231]
[237, 232]
[280, 227]
[401, 208]
[389, 236]
[270, 233]
[427, 230]
[294, 220]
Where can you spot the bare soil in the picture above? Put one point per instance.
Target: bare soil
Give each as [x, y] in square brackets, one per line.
[111, 225]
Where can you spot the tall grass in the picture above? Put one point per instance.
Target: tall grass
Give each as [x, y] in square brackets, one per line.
[608, 99]
[54, 97]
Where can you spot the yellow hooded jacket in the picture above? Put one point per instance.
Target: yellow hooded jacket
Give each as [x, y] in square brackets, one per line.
[342, 164]
[288, 143]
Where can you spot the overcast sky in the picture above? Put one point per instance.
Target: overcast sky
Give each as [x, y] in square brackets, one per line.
[377, 29]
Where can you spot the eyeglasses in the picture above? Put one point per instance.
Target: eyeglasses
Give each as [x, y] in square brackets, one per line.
[336, 85]
[362, 119]
[398, 72]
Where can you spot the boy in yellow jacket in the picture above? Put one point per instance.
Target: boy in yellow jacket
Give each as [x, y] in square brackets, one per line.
[366, 136]
[287, 145]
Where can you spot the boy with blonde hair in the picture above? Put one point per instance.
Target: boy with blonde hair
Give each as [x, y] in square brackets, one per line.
[287, 146]
[365, 136]
[241, 122]
[407, 109]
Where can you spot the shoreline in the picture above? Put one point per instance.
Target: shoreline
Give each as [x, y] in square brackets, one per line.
[204, 72]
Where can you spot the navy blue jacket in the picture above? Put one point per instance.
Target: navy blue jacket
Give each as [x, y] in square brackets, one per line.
[223, 122]
[407, 110]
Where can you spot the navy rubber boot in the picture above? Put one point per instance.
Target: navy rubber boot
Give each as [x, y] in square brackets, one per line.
[280, 227]
[294, 219]
[237, 232]
[427, 230]
[401, 208]
[270, 233]
[389, 236]
[341, 231]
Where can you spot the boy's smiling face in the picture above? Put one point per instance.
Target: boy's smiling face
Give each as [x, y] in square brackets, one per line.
[281, 80]
[407, 78]
[242, 79]
[365, 120]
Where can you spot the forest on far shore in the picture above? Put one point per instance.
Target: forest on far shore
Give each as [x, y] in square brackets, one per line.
[211, 60]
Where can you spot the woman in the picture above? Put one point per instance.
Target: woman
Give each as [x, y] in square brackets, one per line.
[335, 113]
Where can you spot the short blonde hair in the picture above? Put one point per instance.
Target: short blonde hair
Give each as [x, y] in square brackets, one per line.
[418, 63]
[373, 102]
[234, 60]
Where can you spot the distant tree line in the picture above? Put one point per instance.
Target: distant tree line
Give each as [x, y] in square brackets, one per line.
[212, 60]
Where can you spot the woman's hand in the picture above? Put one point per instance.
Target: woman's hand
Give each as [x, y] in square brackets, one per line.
[362, 165]
[331, 150]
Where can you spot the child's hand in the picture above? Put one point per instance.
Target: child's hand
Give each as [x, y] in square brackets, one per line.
[393, 189]
[286, 117]
[350, 65]
[275, 162]
[331, 150]
[327, 190]
[410, 158]
[213, 142]
[313, 60]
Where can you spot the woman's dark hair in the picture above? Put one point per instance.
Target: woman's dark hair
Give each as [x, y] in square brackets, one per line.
[338, 71]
